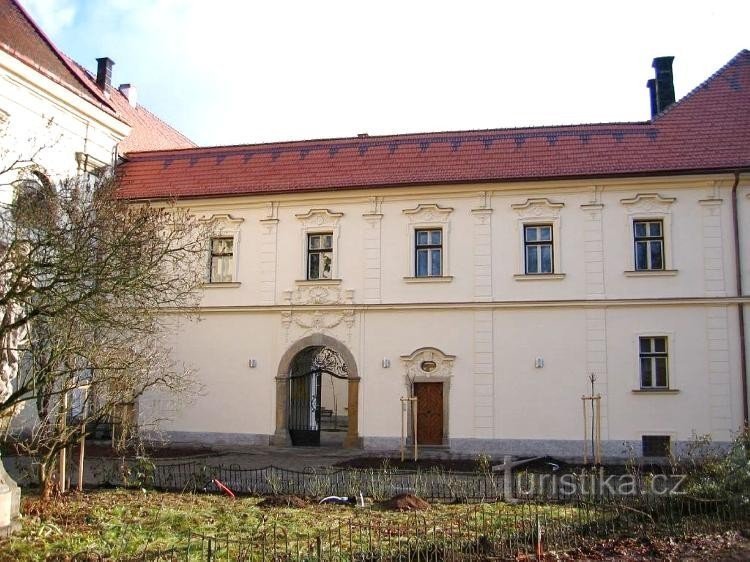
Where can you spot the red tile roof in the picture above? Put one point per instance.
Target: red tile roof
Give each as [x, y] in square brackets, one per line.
[709, 129]
[23, 39]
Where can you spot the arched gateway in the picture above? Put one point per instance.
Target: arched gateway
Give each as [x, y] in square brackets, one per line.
[306, 372]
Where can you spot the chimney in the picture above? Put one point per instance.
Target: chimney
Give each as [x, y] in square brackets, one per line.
[663, 84]
[651, 85]
[130, 93]
[104, 73]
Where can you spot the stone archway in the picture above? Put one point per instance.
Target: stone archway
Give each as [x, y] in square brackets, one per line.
[281, 435]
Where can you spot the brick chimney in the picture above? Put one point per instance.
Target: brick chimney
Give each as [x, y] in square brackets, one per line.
[104, 73]
[663, 88]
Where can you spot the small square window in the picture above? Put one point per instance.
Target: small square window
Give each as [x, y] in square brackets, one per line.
[654, 359]
[537, 242]
[222, 260]
[656, 445]
[429, 253]
[319, 255]
[648, 239]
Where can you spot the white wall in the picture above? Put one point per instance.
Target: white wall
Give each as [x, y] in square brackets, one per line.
[496, 326]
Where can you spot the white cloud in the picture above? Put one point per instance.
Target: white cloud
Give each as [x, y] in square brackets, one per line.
[52, 15]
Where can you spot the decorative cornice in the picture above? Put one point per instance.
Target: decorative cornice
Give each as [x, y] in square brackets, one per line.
[474, 305]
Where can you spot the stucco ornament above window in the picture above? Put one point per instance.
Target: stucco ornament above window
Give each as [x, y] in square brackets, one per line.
[649, 203]
[538, 207]
[319, 218]
[221, 223]
[319, 295]
[428, 362]
[430, 213]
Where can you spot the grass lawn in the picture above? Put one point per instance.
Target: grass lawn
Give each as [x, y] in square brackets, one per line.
[120, 523]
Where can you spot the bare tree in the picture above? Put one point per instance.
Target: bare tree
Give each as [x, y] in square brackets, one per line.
[87, 277]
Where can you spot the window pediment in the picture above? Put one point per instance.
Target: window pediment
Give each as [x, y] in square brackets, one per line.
[319, 218]
[537, 207]
[428, 213]
[648, 202]
[222, 222]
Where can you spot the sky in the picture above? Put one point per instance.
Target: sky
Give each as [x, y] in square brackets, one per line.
[233, 71]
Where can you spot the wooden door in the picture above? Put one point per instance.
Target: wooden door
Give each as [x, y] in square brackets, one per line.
[429, 412]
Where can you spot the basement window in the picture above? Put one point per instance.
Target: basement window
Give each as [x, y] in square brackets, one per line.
[656, 445]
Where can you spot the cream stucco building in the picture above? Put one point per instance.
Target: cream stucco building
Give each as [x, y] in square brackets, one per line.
[488, 272]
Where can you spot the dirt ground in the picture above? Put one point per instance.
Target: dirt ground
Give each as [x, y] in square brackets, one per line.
[731, 546]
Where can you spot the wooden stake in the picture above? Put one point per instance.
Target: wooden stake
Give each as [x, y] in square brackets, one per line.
[62, 460]
[599, 428]
[414, 415]
[585, 432]
[403, 427]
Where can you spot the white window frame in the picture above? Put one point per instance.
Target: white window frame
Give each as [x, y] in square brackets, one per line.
[212, 256]
[430, 249]
[428, 217]
[319, 251]
[319, 221]
[538, 244]
[649, 240]
[223, 226]
[538, 211]
[672, 376]
[650, 207]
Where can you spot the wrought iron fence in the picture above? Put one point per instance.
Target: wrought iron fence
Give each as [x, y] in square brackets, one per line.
[436, 485]
[487, 533]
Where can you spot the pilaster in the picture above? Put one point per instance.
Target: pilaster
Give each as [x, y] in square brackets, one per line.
[268, 254]
[596, 319]
[371, 245]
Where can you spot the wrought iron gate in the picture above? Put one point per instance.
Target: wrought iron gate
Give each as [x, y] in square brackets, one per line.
[305, 397]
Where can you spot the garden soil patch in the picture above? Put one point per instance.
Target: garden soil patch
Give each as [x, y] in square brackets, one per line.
[405, 502]
[379, 463]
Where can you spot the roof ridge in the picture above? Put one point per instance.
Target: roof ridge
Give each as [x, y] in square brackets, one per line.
[697, 89]
[62, 57]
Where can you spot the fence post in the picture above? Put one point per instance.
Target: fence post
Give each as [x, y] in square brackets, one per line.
[507, 478]
[318, 548]
[539, 549]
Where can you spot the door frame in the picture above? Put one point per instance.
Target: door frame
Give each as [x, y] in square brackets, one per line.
[420, 426]
[446, 382]
[440, 370]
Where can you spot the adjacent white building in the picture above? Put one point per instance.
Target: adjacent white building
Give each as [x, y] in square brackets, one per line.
[56, 119]
[489, 273]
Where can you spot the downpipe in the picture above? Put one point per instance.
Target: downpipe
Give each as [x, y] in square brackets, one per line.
[740, 305]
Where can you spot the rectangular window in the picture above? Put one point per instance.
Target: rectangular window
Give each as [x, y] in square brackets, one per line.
[319, 255]
[655, 445]
[537, 242]
[222, 260]
[429, 253]
[654, 358]
[648, 237]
